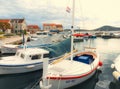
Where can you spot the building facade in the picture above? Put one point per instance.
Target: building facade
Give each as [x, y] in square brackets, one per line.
[18, 25]
[33, 29]
[52, 26]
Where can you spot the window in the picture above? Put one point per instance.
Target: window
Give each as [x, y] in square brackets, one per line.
[46, 55]
[34, 57]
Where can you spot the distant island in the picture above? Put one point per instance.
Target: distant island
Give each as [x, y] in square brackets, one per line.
[107, 28]
[103, 28]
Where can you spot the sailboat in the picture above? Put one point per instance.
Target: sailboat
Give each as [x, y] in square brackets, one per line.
[71, 69]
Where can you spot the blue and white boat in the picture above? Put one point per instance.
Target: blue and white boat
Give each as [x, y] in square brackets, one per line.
[25, 60]
[31, 59]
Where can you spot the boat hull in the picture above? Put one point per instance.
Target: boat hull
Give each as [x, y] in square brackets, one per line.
[66, 83]
[7, 69]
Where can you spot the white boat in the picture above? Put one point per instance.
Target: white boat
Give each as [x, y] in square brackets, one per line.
[25, 60]
[41, 42]
[39, 34]
[65, 73]
[9, 48]
[116, 67]
[72, 69]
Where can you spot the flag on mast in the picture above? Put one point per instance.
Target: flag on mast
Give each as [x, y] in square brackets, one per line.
[68, 9]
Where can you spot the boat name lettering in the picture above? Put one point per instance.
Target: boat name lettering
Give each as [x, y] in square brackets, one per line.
[70, 81]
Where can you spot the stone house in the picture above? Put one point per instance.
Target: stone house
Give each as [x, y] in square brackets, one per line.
[18, 25]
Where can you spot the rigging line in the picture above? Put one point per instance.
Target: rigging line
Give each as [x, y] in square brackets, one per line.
[66, 14]
[82, 15]
[83, 22]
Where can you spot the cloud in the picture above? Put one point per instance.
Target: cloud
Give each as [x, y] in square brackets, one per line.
[89, 14]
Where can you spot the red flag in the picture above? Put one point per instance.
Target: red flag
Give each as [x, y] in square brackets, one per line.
[68, 9]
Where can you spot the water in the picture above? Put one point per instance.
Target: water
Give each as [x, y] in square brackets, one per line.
[109, 49]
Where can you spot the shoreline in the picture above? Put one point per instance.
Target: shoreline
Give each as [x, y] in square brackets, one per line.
[12, 39]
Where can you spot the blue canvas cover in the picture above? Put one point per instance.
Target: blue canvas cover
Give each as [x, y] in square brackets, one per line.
[84, 58]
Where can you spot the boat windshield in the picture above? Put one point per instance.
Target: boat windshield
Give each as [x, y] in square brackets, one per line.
[35, 57]
[46, 56]
[41, 33]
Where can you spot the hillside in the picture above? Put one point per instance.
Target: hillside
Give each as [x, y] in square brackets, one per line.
[108, 28]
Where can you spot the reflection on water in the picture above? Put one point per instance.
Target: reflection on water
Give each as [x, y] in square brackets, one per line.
[114, 85]
[19, 81]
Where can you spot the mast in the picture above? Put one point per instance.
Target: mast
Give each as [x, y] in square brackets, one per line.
[72, 28]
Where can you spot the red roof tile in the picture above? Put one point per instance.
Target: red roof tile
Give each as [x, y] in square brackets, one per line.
[33, 26]
[5, 20]
[49, 24]
[17, 20]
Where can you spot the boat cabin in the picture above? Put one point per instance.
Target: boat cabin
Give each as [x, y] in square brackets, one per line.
[32, 53]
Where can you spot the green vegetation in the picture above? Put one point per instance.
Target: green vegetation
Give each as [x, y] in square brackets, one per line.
[4, 26]
[1, 33]
[9, 34]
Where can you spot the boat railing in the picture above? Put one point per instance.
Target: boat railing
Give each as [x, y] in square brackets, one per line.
[90, 49]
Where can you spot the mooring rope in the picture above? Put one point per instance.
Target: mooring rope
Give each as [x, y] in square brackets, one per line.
[37, 82]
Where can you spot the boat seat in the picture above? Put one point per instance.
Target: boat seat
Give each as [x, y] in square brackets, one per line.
[85, 58]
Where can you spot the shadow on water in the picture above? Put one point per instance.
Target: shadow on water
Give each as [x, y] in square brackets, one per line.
[114, 84]
[20, 81]
[90, 83]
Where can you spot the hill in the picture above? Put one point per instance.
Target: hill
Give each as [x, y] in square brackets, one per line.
[107, 28]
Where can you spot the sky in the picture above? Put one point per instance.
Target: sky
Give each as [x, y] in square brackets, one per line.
[89, 14]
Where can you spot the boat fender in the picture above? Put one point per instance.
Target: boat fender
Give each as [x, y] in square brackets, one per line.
[116, 75]
[112, 66]
[100, 63]
[30, 66]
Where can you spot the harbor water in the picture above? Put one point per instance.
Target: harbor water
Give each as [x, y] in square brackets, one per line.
[108, 49]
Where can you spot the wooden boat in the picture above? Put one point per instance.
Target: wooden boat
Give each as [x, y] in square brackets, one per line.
[72, 69]
[64, 72]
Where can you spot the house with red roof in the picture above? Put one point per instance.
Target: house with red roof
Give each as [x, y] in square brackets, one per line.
[33, 29]
[52, 26]
[5, 25]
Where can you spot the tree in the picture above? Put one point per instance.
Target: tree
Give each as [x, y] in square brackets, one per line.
[4, 26]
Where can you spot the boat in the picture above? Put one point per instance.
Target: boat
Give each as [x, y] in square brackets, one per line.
[78, 37]
[25, 60]
[116, 68]
[41, 42]
[71, 69]
[106, 35]
[9, 48]
[39, 34]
